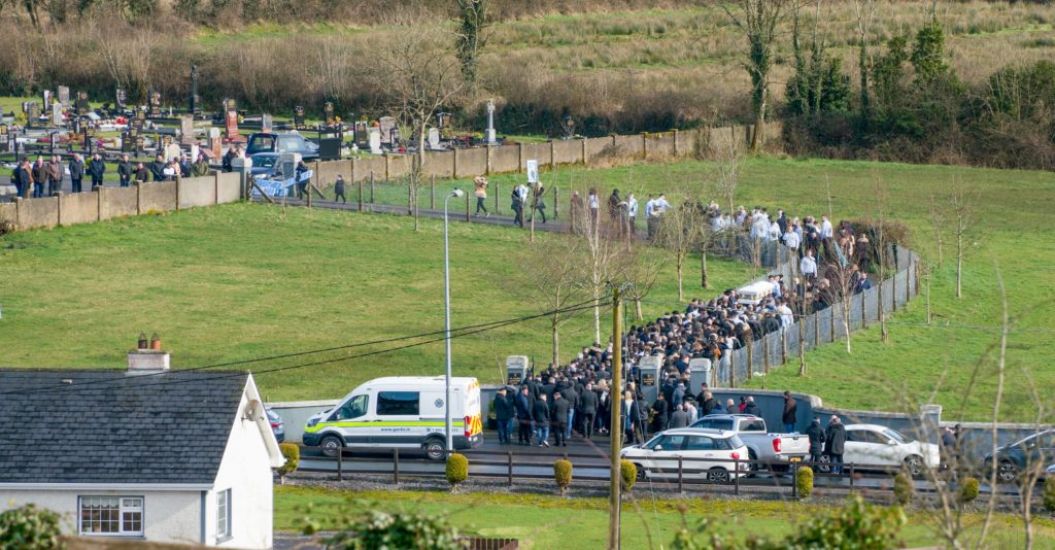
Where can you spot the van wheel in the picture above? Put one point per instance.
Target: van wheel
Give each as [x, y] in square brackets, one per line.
[642, 475]
[435, 449]
[718, 475]
[331, 445]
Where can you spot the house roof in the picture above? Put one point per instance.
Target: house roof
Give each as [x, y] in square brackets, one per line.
[110, 427]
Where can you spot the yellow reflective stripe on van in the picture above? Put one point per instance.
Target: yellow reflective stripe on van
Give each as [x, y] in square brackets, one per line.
[384, 424]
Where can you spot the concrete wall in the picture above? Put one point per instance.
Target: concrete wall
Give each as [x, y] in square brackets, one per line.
[118, 201]
[568, 151]
[472, 162]
[168, 516]
[505, 159]
[296, 414]
[230, 187]
[439, 164]
[9, 213]
[34, 213]
[79, 208]
[157, 196]
[197, 192]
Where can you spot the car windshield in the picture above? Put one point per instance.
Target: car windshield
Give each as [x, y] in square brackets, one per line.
[264, 161]
[894, 435]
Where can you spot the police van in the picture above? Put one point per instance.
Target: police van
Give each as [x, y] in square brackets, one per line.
[404, 412]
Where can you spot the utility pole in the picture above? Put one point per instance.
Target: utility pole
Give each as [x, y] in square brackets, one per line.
[617, 425]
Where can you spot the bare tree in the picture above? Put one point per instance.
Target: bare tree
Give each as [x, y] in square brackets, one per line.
[961, 207]
[421, 74]
[556, 278]
[936, 215]
[679, 231]
[880, 199]
[758, 20]
[729, 162]
[606, 258]
[471, 37]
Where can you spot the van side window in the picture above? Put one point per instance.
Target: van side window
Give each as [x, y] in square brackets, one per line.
[393, 403]
[353, 408]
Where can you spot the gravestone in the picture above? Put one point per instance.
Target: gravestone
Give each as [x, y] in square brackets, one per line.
[83, 107]
[47, 99]
[186, 128]
[121, 97]
[194, 152]
[375, 141]
[434, 138]
[388, 124]
[5, 138]
[328, 110]
[56, 114]
[298, 117]
[155, 104]
[138, 122]
[490, 135]
[232, 120]
[215, 142]
[266, 123]
[362, 132]
[32, 111]
[64, 96]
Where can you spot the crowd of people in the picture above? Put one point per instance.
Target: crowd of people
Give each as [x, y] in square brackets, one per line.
[44, 178]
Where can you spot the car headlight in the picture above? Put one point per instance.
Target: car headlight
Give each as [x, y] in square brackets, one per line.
[312, 422]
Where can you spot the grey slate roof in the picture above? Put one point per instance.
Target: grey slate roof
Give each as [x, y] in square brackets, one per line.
[109, 427]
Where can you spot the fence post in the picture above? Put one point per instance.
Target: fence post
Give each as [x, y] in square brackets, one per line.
[750, 354]
[395, 465]
[864, 309]
[179, 182]
[644, 145]
[432, 191]
[681, 489]
[360, 195]
[410, 198]
[585, 153]
[388, 169]
[732, 368]
[497, 192]
[487, 169]
[520, 157]
[308, 191]
[454, 164]
[783, 346]
[816, 330]
[893, 289]
[467, 217]
[677, 146]
[831, 324]
[340, 464]
[371, 187]
[552, 155]
[139, 198]
[509, 457]
[851, 476]
[765, 354]
[556, 202]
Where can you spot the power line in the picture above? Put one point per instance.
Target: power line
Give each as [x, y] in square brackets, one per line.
[484, 327]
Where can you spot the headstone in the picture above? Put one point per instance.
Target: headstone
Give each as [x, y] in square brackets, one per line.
[5, 139]
[387, 125]
[232, 124]
[141, 142]
[83, 107]
[155, 104]
[650, 367]
[64, 96]
[518, 368]
[490, 137]
[328, 110]
[532, 170]
[138, 122]
[375, 141]
[128, 141]
[266, 123]
[434, 138]
[194, 152]
[121, 97]
[47, 99]
[56, 114]
[362, 132]
[186, 128]
[32, 110]
[172, 150]
[215, 142]
[298, 117]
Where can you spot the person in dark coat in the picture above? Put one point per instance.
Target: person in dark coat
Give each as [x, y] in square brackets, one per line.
[660, 413]
[23, 178]
[708, 404]
[302, 182]
[540, 414]
[54, 176]
[157, 169]
[751, 407]
[559, 415]
[569, 394]
[503, 414]
[523, 407]
[588, 403]
[96, 169]
[835, 443]
[815, 433]
[125, 170]
[338, 190]
[40, 175]
[142, 174]
[76, 167]
[789, 417]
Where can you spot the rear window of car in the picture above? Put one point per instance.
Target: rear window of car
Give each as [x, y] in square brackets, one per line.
[753, 426]
[262, 143]
[715, 423]
[735, 442]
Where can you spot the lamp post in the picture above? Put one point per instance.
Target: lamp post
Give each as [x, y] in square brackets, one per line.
[456, 193]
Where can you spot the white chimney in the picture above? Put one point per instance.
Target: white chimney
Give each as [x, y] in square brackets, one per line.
[148, 358]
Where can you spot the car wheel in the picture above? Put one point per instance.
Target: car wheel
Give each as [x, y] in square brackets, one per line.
[914, 466]
[642, 475]
[752, 465]
[331, 445]
[1007, 471]
[435, 449]
[718, 475]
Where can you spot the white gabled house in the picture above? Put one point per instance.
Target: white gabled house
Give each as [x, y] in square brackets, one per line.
[149, 454]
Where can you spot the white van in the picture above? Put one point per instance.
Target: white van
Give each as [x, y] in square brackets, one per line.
[400, 411]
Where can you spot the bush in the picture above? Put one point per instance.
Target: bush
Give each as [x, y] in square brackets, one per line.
[804, 481]
[969, 490]
[1049, 495]
[30, 528]
[856, 525]
[903, 489]
[377, 529]
[628, 474]
[291, 452]
[457, 469]
[562, 473]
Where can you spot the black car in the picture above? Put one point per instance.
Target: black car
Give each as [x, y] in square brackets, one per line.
[1035, 451]
[282, 143]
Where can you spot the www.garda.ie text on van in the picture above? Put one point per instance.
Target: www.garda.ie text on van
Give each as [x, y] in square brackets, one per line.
[403, 412]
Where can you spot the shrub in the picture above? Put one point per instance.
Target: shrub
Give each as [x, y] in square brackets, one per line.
[903, 489]
[562, 473]
[804, 481]
[1049, 495]
[457, 469]
[291, 452]
[30, 528]
[856, 525]
[377, 529]
[969, 490]
[628, 474]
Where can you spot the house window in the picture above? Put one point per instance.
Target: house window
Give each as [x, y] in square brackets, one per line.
[106, 515]
[223, 515]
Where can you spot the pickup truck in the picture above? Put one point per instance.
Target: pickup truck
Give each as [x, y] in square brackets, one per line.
[774, 450]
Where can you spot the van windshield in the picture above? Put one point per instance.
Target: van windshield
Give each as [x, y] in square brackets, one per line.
[353, 408]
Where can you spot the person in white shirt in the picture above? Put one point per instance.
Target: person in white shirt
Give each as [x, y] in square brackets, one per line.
[808, 266]
[826, 228]
[594, 205]
[661, 205]
[631, 212]
[786, 315]
[792, 239]
[774, 231]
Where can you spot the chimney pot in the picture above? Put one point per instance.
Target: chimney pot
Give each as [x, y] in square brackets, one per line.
[155, 342]
[142, 343]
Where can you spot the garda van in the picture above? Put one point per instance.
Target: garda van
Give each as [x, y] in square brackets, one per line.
[404, 412]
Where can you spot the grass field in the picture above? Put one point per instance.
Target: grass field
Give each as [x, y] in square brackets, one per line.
[244, 281]
[648, 521]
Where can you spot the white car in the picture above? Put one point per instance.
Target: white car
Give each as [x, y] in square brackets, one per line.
[706, 454]
[875, 446]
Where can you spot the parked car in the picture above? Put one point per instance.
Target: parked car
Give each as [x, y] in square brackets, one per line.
[776, 449]
[871, 446]
[264, 163]
[1015, 457]
[277, 425]
[707, 454]
[291, 142]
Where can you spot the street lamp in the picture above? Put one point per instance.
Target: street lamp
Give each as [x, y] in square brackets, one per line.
[456, 193]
